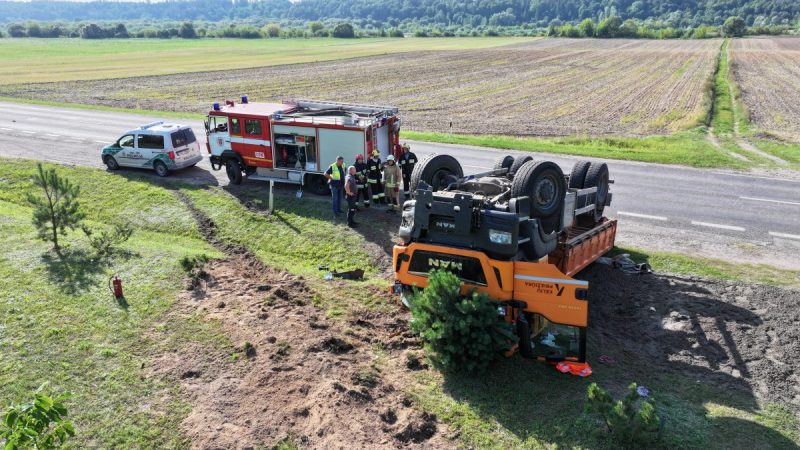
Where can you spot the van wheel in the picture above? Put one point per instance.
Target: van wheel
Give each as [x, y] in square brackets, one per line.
[161, 169]
[233, 171]
[437, 171]
[110, 162]
[317, 184]
[524, 335]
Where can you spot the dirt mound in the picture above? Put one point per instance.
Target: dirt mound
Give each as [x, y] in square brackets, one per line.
[739, 336]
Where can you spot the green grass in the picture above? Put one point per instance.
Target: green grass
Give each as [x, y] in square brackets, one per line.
[723, 115]
[42, 60]
[785, 151]
[61, 325]
[689, 148]
[145, 112]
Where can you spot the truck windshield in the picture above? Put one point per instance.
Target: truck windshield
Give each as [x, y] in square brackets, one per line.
[183, 137]
[218, 124]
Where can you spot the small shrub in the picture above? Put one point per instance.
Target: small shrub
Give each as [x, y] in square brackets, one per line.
[633, 421]
[41, 424]
[188, 263]
[106, 242]
[460, 333]
[58, 209]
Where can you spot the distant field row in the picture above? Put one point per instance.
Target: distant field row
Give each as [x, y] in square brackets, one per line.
[41, 60]
[546, 87]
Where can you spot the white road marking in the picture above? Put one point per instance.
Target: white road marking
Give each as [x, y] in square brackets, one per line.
[27, 132]
[101, 142]
[784, 235]
[641, 216]
[6, 129]
[717, 225]
[52, 135]
[769, 200]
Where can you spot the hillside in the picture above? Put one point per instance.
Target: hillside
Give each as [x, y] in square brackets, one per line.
[676, 13]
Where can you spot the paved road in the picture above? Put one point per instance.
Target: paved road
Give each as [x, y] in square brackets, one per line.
[731, 207]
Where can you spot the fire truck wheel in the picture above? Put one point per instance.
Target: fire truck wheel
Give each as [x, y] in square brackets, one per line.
[438, 171]
[503, 162]
[597, 176]
[110, 162]
[578, 174]
[543, 183]
[524, 335]
[160, 168]
[233, 171]
[518, 162]
[318, 185]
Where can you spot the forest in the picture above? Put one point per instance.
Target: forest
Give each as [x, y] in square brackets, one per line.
[407, 14]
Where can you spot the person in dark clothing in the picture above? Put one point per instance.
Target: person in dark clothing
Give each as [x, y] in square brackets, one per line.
[375, 178]
[335, 175]
[406, 163]
[361, 179]
[351, 192]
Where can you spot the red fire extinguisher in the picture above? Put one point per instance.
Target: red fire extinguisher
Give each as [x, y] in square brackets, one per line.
[115, 286]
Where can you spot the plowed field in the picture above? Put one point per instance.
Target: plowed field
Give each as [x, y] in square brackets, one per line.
[548, 87]
[767, 72]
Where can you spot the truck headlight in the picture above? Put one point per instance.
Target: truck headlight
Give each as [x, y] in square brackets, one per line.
[500, 237]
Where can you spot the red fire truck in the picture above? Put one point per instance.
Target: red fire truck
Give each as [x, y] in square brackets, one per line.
[296, 141]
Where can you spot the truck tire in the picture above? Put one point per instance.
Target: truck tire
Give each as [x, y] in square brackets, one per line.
[578, 174]
[318, 185]
[160, 168]
[234, 171]
[597, 176]
[519, 161]
[503, 162]
[524, 337]
[438, 171]
[543, 183]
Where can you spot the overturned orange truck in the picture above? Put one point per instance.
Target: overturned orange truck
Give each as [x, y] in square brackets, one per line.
[519, 232]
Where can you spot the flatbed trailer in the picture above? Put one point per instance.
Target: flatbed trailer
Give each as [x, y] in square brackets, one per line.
[530, 270]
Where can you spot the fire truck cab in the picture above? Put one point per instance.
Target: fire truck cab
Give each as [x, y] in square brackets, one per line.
[296, 141]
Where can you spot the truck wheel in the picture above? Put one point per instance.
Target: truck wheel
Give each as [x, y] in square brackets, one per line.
[524, 336]
[578, 174]
[543, 183]
[234, 171]
[519, 161]
[503, 162]
[318, 185]
[160, 168]
[438, 171]
[110, 162]
[597, 176]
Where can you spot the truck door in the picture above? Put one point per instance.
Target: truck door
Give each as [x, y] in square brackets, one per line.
[218, 137]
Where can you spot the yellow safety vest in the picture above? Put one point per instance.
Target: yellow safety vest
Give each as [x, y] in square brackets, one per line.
[335, 172]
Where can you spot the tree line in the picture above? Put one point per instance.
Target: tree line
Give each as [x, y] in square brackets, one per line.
[426, 14]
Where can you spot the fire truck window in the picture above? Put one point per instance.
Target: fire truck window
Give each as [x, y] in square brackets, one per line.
[126, 141]
[218, 123]
[236, 127]
[151, 141]
[252, 126]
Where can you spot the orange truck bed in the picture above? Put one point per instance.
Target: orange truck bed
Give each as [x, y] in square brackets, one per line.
[582, 246]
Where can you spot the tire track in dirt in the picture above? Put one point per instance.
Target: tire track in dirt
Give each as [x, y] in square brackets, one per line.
[300, 376]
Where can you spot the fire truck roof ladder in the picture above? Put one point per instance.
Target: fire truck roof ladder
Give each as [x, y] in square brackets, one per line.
[365, 109]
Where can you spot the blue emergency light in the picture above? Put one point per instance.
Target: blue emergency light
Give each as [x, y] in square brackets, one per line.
[244, 99]
[216, 106]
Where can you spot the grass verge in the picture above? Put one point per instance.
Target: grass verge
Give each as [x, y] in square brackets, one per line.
[722, 116]
[144, 112]
[59, 323]
[688, 148]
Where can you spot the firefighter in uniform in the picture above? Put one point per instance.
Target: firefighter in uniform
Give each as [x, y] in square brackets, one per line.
[374, 177]
[361, 180]
[392, 176]
[406, 163]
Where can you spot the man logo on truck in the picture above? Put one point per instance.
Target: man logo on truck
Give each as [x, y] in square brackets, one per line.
[445, 264]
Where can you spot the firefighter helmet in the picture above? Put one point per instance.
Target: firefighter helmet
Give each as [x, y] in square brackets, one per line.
[359, 157]
[390, 158]
[375, 152]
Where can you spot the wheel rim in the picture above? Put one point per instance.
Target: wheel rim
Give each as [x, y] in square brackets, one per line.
[602, 187]
[111, 163]
[544, 193]
[441, 179]
[161, 169]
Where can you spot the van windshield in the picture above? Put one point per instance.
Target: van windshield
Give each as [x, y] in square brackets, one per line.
[182, 137]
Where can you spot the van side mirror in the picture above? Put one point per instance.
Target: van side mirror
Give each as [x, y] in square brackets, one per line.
[205, 122]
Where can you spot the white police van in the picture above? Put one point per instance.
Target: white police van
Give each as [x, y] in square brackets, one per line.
[159, 146]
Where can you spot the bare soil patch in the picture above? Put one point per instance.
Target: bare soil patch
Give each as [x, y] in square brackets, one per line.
[548, 87]
[296, 374]
[741, 337]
